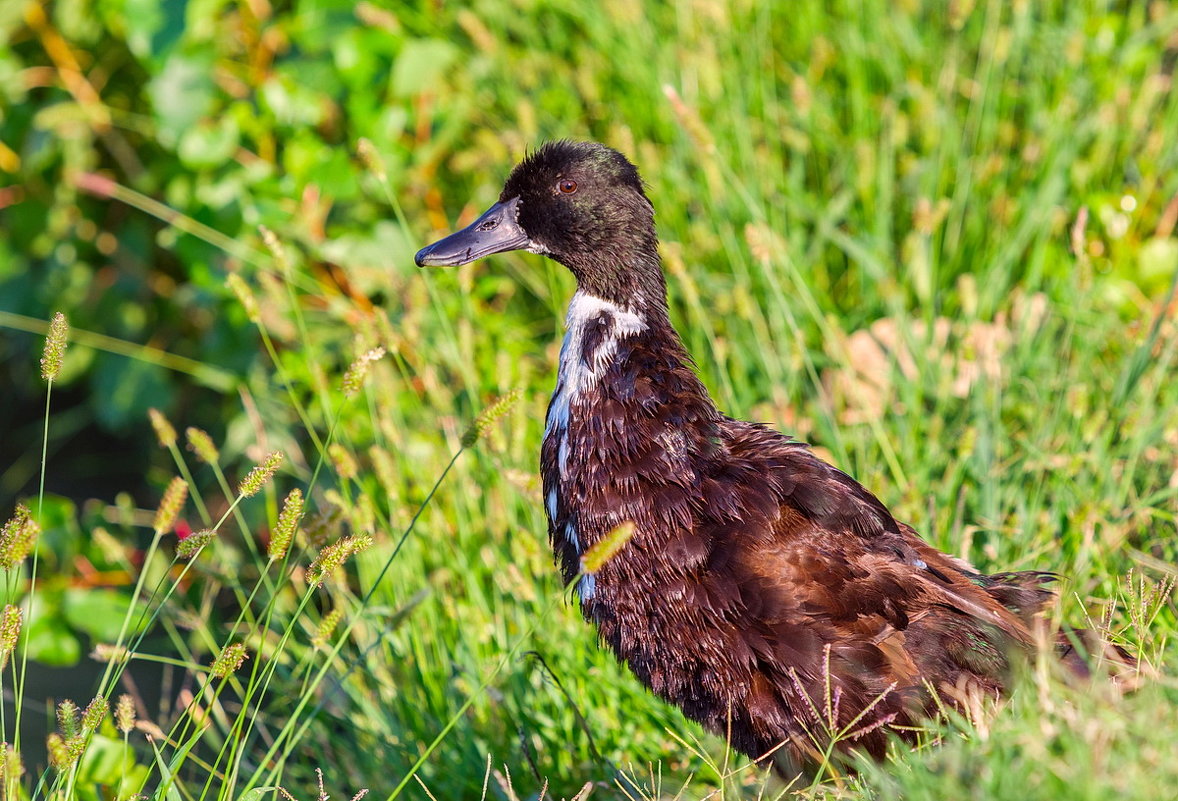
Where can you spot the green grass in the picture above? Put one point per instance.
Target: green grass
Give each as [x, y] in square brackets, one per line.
[988, 189]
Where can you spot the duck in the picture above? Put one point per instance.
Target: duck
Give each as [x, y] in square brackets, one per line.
[763, 591]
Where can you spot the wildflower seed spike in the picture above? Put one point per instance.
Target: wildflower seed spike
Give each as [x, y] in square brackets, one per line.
[171, 505]
[200, 443]
[257, 478]
[54, 352]
[284, 529]
[165, 432]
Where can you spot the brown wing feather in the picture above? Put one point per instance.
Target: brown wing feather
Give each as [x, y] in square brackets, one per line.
[825, 514]
[849, 598]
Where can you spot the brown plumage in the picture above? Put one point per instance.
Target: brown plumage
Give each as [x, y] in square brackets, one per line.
[766, 593]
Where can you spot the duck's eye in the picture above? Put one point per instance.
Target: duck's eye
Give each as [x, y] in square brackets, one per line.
[567, 186]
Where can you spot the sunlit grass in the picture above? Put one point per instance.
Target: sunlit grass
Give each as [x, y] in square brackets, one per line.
[928, 238]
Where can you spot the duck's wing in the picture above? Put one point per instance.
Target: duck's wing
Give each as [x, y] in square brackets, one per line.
[839, 559]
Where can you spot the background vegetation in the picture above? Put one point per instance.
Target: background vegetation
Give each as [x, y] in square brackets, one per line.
[935, 239]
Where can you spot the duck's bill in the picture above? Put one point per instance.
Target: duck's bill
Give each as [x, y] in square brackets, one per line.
[495, 231]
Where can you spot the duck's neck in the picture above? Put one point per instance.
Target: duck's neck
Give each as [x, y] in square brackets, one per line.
[602, 331]
[623, 270]
[628, 412]
[594, 328]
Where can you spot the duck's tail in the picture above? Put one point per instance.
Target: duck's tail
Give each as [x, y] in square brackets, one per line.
[1084, 652]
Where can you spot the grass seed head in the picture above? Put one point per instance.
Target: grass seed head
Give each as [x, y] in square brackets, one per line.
[363, 513]
[272, 243]
[386, 470]
[108, 652]
[59, 756]
[74, 746]
[354, 377]
[489, 415]
[372, 159]
[601, 552]
[288, 521]
[332, 557]
[194, 543]
[11, 767]
[125, 713]
[18, 537]
[323, 796]
[327, 628]
[68, 719]
[228, 661]
[257, 478]
[165, 432]
[171, 504]
[200, 443]
[111, 548]
[329, 560]
[10, 622]
[95, 713]
[345, 463]
[245, 296]
[54, 352]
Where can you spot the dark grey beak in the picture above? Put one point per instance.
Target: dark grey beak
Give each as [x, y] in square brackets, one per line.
[494, 232]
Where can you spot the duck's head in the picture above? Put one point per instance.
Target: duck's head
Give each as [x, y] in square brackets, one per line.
[580, 203]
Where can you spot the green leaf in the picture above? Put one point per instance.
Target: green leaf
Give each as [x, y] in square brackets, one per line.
[420, 64]
[76, 23]
[55, 512]
[97, 612]
[209, 144]
[383, 246]
[106, 761]
[1156, 263]
[125, 388]
[167, 769]
[140, 20]
[51, 642]
[291, 103]
[182, 94]
[257, 793]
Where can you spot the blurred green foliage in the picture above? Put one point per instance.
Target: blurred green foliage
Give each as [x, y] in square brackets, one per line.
[236, 115]
[820, 170]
